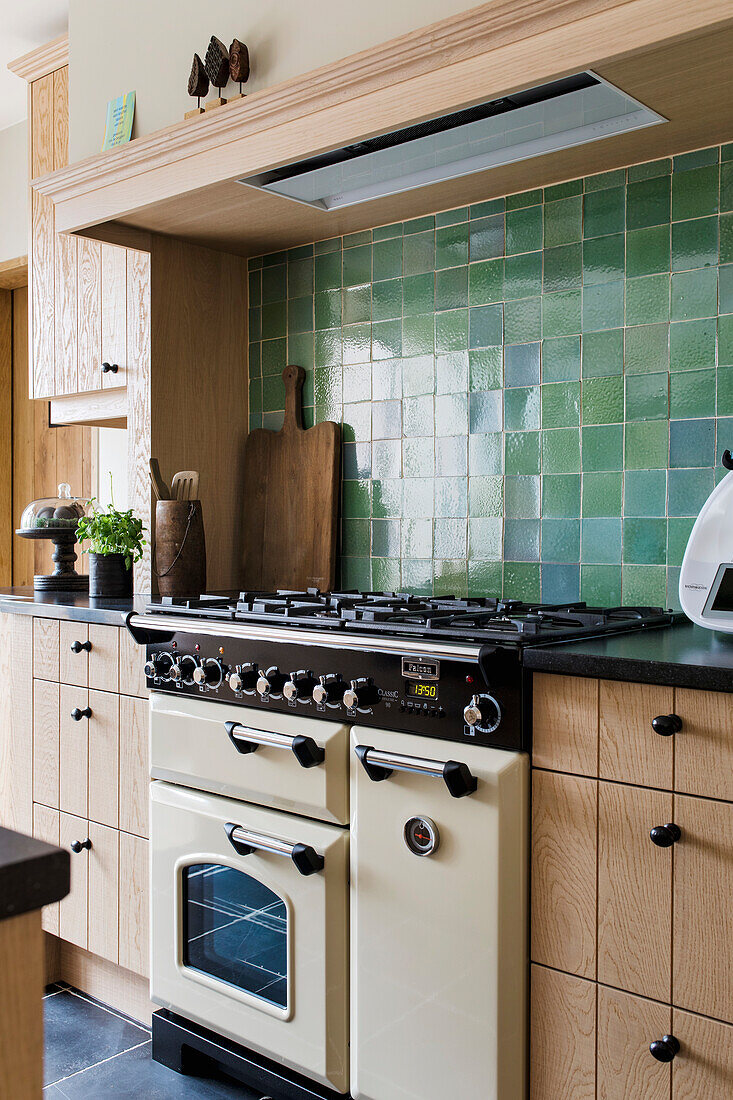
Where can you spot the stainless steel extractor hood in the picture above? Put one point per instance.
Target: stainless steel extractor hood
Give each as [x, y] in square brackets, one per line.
[572, 111]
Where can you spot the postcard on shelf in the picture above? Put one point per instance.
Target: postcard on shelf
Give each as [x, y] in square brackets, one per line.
[120, 115]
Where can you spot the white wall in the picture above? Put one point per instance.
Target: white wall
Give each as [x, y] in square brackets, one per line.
[146, 46]
[14, 191]
[111, 458]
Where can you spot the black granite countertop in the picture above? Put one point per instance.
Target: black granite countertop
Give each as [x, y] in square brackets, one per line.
[682, 655]
[70, 605]
[32, 873]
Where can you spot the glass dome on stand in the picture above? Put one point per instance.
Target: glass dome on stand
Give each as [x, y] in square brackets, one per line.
[56, 519]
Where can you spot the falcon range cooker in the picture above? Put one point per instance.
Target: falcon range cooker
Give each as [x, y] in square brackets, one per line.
[339, 837]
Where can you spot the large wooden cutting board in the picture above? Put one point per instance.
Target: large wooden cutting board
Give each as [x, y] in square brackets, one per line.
[291, 493]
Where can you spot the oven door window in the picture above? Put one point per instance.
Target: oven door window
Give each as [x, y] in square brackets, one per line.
[235, 930]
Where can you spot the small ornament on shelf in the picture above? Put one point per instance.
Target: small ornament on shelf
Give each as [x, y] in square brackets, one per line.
[217, 70]
[198, 85]
[239, 65]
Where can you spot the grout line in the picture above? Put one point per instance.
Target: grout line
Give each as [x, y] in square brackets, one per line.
[105, 1008]
[94, 1065]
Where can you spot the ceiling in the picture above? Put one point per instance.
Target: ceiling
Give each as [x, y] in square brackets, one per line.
[24, 27]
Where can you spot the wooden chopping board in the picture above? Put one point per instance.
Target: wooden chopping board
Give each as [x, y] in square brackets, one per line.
[291, 494]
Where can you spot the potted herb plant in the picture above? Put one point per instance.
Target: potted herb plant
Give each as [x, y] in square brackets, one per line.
[115, 543]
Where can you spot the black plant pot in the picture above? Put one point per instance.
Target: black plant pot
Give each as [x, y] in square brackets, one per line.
[108, 575]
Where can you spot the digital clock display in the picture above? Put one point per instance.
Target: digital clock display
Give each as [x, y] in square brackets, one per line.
[416, 689]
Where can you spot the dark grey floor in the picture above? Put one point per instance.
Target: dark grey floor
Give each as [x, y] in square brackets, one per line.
[91, 1051]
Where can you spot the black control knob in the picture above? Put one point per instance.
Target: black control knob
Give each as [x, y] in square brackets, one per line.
[329, 689]
[299, 686]
[667, 724]
[360, 693]
[78, 845]
[78, 714]
[243, 678]
[665, 1049]
[483, 712]
[210, 673]
[664, 836]
[182, 670]
[159, 666]
[270, 682]
[77, 647]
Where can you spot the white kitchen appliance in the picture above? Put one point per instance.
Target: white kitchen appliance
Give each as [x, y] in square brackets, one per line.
[706, 577]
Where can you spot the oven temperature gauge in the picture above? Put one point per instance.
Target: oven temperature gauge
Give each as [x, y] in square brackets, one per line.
[421, 836]
[482, 713]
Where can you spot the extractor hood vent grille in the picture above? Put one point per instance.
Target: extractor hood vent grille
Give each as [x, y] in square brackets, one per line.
[558, 115]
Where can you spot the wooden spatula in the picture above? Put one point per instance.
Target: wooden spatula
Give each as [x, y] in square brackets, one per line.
[185, 485]
[160, 488]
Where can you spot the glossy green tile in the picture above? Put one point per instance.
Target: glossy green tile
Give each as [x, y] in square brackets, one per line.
[417, 538]
[357, 265]
[601, 541]
[255, 360]
[603, 400]
[451, 414]
[603, 180]
[691, 443]
[560, 541]
[521, 581]
[328, 387]
[385, 232]
[485, 496]
[418, 415]
[600, 585]
[725, 341]
[357, 343]
[522, 497]
[644, 585]
[647, 299]
[648, 250]
[387, 300]
[386, 339]
[561, 451]
[356, 573]
[418, 335]
[522, 319]
[332, 244]
[725, 288]
[300, 277]
[522, 452]
[695, 193]
[523, 276]
[524, 198]
[647, 445]
[647, 396]
[254, 323]
[688, 491]
[485, 412]
[563, 190]
[645, 493]
[602, 494]
[450, 578]
[561, 359]
[560, 405]
[418, 294]
[561, 313]
[386, 419]
[561, 495]
[521, 364]
[328, 306]
[387, 497]
[485, 326]
[356, 305]
[328, 347]
[451, 538]
[726, 185]
[357, 422]
[451, 330]
[646, 349]
[386, 575]
[604, 258]
[522, 539]
[694, 243]
[418, 457]
[694, 294]
[678, 534]
[328, 271]
[362, 237]
[604, 212]
[692, 394]
[451, 245]
[485, 366]
[685, 161]
[386, 458]
[355, 537]
[692, 345]
[485, 209]
[602, 353]
[274, 284]
[560, 582]
[648, 203]
[356, 499]
[451, 217]
[451, 288]
[524, 230]
[357, 461]
[603, 306]
[486, 282]
[563, 221]
[386, 538]
[274, 356]
[603, 447]
[419, 225]
[562, 267]
[274, 320]
[645, 541]
[486, 237]
[522, 408]
[418, 253]
[724, 388]
[387, 259]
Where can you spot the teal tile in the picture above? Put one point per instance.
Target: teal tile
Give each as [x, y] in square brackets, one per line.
[522, 408]
[485, 209]
[647, 299]
[451, 246]
[604, 212]
[601, 541]
[561, 405]
[692, 394]
[524, 198]
[645, 541]
[647, 396]
[561, 359]
[522, 497]
[724, 406]
[522, 539]
[486, 282]
[603, 353]
[645, 493]
[603, 400]
[561, 495]
[603, 306]
[485, 412]
[451, 288]
[561, 451]
[419, 253]
[725, 288]
[560, 541]
[560, 582]
[485, 326]
[523, 230]
[523, 276]
[522, 319]
[387, 300]
[418, 294]
[419, 225]
[646, 349]
[602, 494]
[273, 421]
[357, 304]
[645, 585]
[694, 243]
[684, 161]
[255, 395]
[328, 271]
[486, 453]
[691, 443]
[688, 491]
[255, 360]
[485, 367]
[386, 339]
[604, 258]
[563, 220]
[357, 265]
[418, 335]
[695, 193]
[647, 445]
[692, 345]
[694, 294]
[603, 448]
[648, 251]
[486, 237]
[387, 259]
[522, 452]
[678, 534]
[521, 581]
[561, 313]
[648, 203]
[562, 267]
[600, 585]
[521, 364]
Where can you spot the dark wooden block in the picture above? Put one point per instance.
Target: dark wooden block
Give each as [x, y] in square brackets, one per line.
[239, 62]
[217, 62]
[198, 81]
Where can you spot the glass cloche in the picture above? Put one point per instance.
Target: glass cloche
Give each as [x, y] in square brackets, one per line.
[54, 513]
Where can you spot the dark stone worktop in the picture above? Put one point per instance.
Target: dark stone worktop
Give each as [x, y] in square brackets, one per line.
[32, 873]
[70, 605]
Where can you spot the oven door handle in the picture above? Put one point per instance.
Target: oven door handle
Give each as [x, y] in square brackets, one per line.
[379, 765]
[307, 860]
[304, 749]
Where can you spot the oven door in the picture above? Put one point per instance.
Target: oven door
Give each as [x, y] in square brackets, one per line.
[250, 927]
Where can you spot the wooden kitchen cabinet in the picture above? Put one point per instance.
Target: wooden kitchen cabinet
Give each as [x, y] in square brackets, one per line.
[134, 904]
[562, 1044]
[46, 648]
[46, 826]
[134, 765]
[46, 743]
[16, 723]
[73, 659]
[73, 751]
[703, 1070]
[73, 927]
[132, 666]
[704, 746]
[105, 779]
[629, 750]
[104, 889]
[565, 724]
[625, 1066]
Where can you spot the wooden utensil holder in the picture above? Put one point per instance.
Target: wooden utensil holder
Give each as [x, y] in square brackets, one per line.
[179, 561]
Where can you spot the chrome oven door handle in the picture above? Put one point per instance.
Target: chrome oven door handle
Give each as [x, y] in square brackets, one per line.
[380, 765]
[304, 749]
[306, 859]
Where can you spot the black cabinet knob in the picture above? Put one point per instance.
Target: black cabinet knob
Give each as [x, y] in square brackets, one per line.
[77, 714]
[78, 845]
[664, 1049]
[667, 724]
[110, 368]
[664, 836]
[77, 647]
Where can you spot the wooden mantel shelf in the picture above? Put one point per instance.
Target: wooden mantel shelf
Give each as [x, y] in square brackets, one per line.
[670, 54]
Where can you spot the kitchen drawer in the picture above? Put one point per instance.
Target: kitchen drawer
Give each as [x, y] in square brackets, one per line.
[134, 906]
[626, 1026]
[132, 665]
[189, 744]
[703, 1069]
[73, 927]
[565, 724]
[562, 1047]
[104, 657]
[73, 750]
[46, 649]
[104, 757]
[103, 891]
[630, 751]
[46, 742]
[134, 765]
[74, 653]
[46, 824]
[703, 748]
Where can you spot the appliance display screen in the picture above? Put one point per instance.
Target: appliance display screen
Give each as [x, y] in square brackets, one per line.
[723, 600]
[417, 689]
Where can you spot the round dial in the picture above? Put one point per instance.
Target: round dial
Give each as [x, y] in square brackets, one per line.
[159, 666]
[210, 673]
[329, 689]
[270, 682]
[299, 686]
[421, 836]
[483, 713]
[360, 693]
[243, 678]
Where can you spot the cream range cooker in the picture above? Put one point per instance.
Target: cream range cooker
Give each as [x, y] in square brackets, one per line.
[339, 831]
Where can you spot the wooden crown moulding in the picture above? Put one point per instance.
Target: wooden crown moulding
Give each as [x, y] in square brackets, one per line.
[14, 273]
[42, 61]
[460, 47]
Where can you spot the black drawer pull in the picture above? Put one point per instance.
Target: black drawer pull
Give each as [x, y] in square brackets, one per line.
[77, 647]
[667, 724]
[110, 368]
[77, 845]
[665, 1049]
[664, 836]
[77, 714]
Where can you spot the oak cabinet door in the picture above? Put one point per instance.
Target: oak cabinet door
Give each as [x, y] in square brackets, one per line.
[89, 315]
[46, 649]
[703, 907]
[630, 751]
[104, 884]
[114, 314]
[43, 239]
[562, 1060]
[703, 1069]
[626, 1027]
[634, 891]
[703, 759]
[134, 904]
[73, 751]
[46, 825]
[73, 659]
[104, 757]
[134, 765]
[104, 657]
[132, 665]
[565, 724]
[564, 845]
[65, 318]
[73, 908]
[46, 743]
[16, 717]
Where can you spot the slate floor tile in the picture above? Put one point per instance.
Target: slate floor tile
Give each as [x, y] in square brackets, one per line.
[79, 1033]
